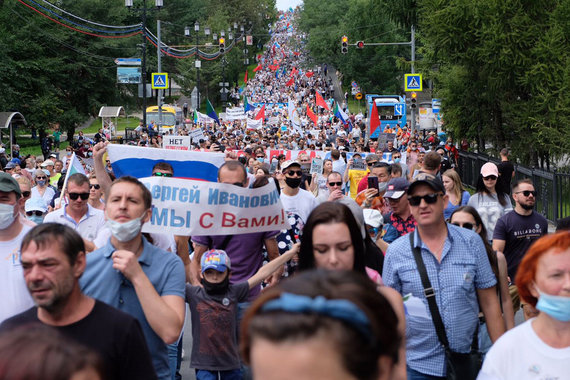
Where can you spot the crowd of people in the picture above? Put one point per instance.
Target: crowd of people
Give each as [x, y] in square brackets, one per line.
[391, 269]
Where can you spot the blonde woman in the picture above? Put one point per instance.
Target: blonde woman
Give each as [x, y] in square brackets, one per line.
[458, 196]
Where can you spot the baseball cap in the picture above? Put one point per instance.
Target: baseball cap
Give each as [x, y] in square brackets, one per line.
[372, 157]
[35, 204]
[396, 188]
[47, 163]
[489, 169]
[9, 184]
[427, 179]
[289, 163]
[216, 259]
[10, 165]
[2, 150]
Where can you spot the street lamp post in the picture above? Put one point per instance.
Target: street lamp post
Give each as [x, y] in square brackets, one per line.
[158, 4]
[197, 64]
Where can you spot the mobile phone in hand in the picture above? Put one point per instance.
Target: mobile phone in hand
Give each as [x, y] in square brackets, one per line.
[373, 183]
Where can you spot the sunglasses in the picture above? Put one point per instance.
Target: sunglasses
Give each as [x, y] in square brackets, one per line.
[96, 187]
[429, 198]
[74, 196]
[490, 178]
[298, 173]
[526, 193]
[372, 163]
[239, 184]
[469, 226]
[41, 177]
[26, 194]
[36, 213]
[335, 183]
[158, 174]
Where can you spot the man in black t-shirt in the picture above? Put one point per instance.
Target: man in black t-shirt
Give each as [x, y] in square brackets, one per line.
[53, 260]
[506, 171]
[516, 231]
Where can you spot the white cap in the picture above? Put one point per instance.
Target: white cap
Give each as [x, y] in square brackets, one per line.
[35, 204]
[373, 217]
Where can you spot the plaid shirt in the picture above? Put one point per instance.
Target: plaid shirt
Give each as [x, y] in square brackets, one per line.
[464, 268]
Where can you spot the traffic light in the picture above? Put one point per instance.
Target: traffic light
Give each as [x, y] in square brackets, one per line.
[360, 44]
[222, 44]
[414, 100]
[344, 45]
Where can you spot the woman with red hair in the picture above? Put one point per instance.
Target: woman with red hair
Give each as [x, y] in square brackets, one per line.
[540, 347]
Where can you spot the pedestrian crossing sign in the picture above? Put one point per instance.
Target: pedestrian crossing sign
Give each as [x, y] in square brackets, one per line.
[159, 81]
[413, 82]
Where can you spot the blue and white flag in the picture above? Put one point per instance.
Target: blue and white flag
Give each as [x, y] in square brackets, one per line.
[138, 162]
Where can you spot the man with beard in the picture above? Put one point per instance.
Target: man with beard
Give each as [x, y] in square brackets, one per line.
[516, 231]
[53, 258]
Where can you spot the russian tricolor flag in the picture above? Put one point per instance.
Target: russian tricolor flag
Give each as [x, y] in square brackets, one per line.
[138, 162]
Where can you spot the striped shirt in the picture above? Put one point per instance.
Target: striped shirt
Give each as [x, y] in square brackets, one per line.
[464, 267]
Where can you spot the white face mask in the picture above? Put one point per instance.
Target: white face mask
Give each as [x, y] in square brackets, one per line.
[127, 231]
[6, 215]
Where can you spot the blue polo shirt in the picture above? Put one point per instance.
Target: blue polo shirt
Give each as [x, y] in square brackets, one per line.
[463, 269]
[164, 270]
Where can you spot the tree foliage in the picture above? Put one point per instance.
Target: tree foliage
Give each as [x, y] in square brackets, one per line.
[502, 70]
[374, 68]
[50, 73]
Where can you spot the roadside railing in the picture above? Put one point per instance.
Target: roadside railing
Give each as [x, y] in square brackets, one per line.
[553, 188]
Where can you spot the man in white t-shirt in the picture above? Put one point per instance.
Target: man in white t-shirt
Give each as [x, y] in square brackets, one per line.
[296, 201]
[14, 296]
[78, 214]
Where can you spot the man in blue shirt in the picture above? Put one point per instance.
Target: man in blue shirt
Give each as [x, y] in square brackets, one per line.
[136, 277]
[459, 271]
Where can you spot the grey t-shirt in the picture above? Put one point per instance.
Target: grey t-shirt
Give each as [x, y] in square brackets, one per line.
[214, 327]
[490, 210]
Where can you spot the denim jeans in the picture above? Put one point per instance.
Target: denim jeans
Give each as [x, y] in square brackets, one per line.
[415, 375]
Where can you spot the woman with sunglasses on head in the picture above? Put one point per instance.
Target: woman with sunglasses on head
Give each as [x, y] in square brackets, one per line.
[467, 217]
[540, 347]
[457, 195]
[490, 201]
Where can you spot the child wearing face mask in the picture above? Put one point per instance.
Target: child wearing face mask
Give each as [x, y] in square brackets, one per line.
[213, 308]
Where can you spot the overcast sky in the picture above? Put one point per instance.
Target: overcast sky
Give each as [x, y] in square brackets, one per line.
[285, 4]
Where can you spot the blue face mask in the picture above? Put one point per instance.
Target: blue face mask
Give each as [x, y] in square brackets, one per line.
[36, 219]
[397, 160]
[558, 307]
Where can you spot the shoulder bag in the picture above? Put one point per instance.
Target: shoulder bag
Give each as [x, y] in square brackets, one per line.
[460, 366]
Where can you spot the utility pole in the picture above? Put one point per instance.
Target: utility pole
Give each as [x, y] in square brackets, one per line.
[159, 55]
[158, 4]
[198, 64]
[413, 45]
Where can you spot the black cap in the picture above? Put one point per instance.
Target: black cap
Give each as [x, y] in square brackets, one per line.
[427, 179]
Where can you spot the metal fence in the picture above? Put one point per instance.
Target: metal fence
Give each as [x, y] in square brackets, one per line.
[553, 188]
